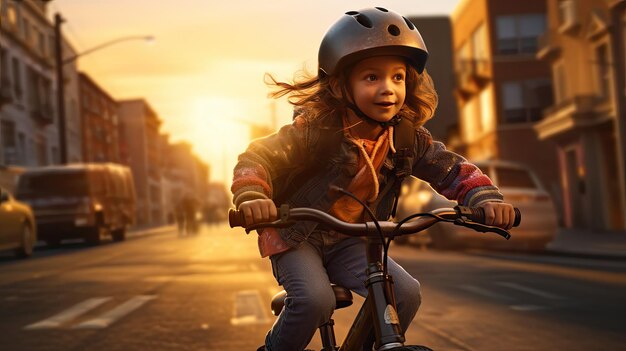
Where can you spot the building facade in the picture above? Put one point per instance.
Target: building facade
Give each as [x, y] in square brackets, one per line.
[584, 45]
[501, 86]
[28, 133]
[29, 124]
[100, 127]
[142, 151]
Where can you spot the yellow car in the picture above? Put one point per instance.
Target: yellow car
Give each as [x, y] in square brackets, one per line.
[17, 225]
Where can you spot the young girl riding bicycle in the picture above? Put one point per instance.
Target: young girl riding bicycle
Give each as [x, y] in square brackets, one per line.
[370, 87]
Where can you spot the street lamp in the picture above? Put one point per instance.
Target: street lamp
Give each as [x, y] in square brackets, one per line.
[147, 38]
[61, 62]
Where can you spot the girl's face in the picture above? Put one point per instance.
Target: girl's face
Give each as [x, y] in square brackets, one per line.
[378, 86]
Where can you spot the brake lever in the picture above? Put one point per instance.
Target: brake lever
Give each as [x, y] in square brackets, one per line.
[483, 228]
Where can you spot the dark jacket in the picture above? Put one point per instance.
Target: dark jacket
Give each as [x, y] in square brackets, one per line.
[298, 164]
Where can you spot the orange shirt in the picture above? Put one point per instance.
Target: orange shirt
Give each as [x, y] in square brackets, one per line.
[364, 185]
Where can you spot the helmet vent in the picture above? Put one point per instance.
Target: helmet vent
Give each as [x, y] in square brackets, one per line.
[409, 23]
[393, 30]
[382, 9]
[352, 13]
[364, 20]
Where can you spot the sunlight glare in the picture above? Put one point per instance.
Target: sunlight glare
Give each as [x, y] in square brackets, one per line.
[218, 136]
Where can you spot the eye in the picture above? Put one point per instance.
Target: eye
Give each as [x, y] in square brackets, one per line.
[399, 77]
[370, 77]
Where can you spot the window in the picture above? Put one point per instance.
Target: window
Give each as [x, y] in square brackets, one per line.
[51, 48]
[513, 102]
[471, 120]
[567, 14]
[523, 101]
[4, 68]
[17, 78]
[26, 29]
[560, 87]
[519, 34]
[21, 148]
[487, 115]
[479, 43]
[8, 141]
[41, 43]
[12, 15]
[603, 73]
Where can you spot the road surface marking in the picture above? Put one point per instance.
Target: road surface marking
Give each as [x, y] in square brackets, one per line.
[249, 309]
[69, 314]
[118, 312]
[532, 291]
[485, 292]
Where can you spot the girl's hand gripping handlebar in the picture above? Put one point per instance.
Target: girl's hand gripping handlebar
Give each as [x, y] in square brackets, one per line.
[460, 215]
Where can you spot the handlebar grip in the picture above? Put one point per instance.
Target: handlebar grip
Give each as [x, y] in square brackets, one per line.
[235, 218]
[477, 214]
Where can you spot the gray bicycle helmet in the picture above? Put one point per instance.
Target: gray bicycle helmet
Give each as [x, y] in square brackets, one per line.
[370, 32]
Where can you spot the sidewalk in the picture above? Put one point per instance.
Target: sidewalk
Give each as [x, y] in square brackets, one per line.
[578, 242]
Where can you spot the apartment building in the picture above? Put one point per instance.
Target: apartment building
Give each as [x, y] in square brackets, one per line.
[184, 174]
[29, 134]
[501, 87]
[100, 126]
[142, 151]
[584, 46]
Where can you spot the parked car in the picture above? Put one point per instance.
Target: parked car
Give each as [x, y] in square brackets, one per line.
[520, 187]
[87, 201]
[17, 225]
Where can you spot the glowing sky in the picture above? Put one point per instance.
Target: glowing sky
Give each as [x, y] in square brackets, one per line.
[204, 73]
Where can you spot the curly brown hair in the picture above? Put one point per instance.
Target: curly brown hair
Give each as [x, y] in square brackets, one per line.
[314, 96]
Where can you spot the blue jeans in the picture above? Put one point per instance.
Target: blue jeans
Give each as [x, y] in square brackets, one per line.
[306, 273]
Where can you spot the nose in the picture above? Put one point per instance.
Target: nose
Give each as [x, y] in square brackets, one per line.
[386, 87]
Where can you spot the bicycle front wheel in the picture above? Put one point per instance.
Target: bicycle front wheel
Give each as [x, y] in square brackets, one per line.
[411, 348]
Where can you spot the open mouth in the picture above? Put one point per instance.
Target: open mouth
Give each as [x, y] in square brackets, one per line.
[385, 104]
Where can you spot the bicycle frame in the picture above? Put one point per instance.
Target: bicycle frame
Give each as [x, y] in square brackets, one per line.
[379, 307]
[378, 312]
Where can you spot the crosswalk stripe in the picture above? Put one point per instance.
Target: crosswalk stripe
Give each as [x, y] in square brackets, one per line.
[69, 314]
[249, 309]
[529, 290]
[113, 315]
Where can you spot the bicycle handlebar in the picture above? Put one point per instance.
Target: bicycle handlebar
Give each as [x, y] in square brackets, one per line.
[460, 215]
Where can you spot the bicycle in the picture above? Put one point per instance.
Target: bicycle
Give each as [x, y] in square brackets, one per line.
[379, 307]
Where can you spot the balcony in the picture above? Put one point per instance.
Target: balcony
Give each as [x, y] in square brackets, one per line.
[570, 115]
[548, 46]
[42, 114]
[472, 76]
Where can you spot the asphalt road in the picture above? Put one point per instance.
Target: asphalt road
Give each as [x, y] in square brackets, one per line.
[212, 292]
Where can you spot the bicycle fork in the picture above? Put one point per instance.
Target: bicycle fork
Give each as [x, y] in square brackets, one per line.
[378, 313]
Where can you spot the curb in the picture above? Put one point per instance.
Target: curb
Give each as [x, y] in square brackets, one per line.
[614, 256]
[137, 233]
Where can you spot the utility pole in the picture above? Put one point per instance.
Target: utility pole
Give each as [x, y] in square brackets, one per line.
[58, 41]
[619, 67]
